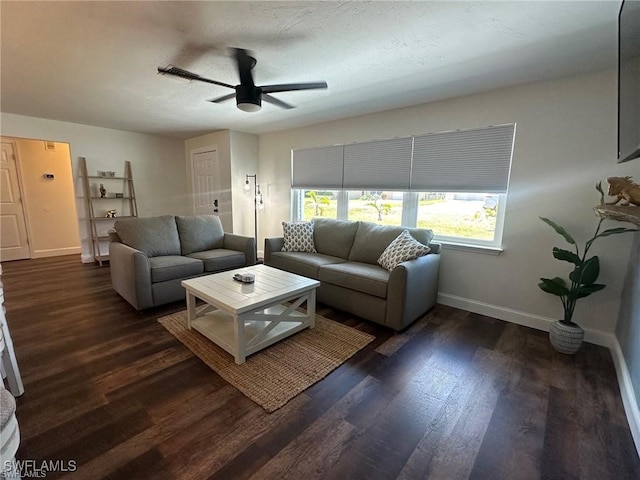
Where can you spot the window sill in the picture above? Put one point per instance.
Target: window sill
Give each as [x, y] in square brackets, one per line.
[484, 249]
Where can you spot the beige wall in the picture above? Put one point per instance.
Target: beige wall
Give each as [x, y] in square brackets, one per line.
[238, 156]
[157, 162]
[565, 143]
[50, 204]
[244, 161]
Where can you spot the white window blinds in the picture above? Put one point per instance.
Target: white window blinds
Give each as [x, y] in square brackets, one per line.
[381, 164]
[476, 160]
[317, 167]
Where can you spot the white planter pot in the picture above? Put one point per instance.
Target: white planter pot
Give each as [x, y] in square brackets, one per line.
[565, 338]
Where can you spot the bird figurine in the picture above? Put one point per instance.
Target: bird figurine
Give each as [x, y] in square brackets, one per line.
[103, 191]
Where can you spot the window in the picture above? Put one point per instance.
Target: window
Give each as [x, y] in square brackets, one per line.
[454, 183]
[319, 203]
[455, 217]
[375, 206]
[461, 217]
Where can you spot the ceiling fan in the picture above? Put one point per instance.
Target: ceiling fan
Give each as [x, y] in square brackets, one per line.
[248, 95]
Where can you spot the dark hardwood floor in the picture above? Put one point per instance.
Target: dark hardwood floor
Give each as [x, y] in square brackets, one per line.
[456, 396]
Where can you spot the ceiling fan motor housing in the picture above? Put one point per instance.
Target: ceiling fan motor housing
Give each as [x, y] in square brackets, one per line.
[248, 98]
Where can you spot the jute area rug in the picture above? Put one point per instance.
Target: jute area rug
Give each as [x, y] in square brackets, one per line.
[273, 376]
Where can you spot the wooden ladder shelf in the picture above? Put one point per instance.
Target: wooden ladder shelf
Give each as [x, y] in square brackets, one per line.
[98, 220]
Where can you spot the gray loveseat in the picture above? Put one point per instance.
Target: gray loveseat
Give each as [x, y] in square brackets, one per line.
[346, 264]
[149, 257]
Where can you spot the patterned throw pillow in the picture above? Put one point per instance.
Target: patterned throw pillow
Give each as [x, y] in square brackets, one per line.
[298, 237]
[402, 249]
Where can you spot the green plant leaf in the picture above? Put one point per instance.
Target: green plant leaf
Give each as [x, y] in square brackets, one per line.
[555, 286]
[599, 189]
[587, 273]
[586, 290]
[615, 231]
[559, 230]
[567, 256]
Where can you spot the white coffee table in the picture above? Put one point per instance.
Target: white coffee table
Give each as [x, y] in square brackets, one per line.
[244, 318]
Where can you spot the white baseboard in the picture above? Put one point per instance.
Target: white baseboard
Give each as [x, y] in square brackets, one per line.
[538, 322]
[56, 252]
[629, 398]
[599, 337]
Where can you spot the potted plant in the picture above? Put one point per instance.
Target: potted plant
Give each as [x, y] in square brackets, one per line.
[565, 335]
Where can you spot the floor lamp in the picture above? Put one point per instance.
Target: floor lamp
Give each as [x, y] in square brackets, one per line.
[258, 203]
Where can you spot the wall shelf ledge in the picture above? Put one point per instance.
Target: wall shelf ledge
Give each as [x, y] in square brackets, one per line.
[629, 214]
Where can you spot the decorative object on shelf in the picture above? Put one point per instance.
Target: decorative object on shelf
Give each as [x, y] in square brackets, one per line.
[111, 214]
[624, 189]
[103, 191]
[119, 195]
[565, 335]
[629, 213]
[106, 173]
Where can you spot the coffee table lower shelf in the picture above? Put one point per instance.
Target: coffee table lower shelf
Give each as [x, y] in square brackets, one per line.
[254, 334]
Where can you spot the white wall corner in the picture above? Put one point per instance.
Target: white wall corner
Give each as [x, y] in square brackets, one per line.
[598, 337]
[629, 399]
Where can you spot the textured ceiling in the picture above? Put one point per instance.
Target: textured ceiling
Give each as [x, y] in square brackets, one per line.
[95, 63]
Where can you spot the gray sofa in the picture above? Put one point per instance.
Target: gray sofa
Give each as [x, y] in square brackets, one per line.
[352, 280]
[149, 257]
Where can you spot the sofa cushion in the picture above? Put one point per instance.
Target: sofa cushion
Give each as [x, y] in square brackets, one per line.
[402, 249]
[220, 259]
[334, 237]
[372, 239]
[362, 277]
[170, 267]
[305, 264]
[199, 232]
[155, 236]
[298, 237]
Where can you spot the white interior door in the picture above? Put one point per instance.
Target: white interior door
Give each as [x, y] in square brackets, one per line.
[206, 182]
[14, 243]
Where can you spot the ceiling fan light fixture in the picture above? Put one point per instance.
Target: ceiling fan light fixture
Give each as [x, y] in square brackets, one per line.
[249, 106]
[248, 98]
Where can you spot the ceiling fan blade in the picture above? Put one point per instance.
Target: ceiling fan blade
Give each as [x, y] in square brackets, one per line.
[179, 72]
[245, 63]
[275, 101]
[287, 87]
[223, 98]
